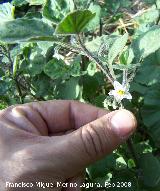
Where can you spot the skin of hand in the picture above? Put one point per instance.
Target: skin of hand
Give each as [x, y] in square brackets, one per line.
[54, 141]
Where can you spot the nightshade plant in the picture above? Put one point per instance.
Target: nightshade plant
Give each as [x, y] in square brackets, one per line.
[106, 53]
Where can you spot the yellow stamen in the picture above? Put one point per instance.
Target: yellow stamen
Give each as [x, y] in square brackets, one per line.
[120, 92]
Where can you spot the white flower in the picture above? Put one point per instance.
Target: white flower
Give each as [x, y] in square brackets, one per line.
[120, 92]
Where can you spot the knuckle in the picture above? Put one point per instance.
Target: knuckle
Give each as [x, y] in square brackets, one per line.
[110, 139]
[92, 141]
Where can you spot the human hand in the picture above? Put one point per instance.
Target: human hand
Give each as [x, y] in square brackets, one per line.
[54, 141]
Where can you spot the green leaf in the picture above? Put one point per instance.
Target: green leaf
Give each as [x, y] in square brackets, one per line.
[144, 74]
[3, 105]
[69, 89]
[33, 15]
[92, 68]
[19, 3]
[20, 30]
[121, 163]
[151, 112]
[147, 43]
[41, 85]
[99, 100]
[56, 69]
[75, 22]
[45, 46]
[113, 7]
[6, 12]
[117, 47]
[150, 166]
[96, 20]
[44, 39]
[15, 65]
[101, 181]
[90, 86]
[143, 147]
[75, 68]
[150, 16]
[36, 65]
[100, 168]
[121, 176]
[126, 57]
[131, 163]
[55, 10]
[136, 87]
[158, 4]
[104, 42]
[1, 73]
[95, 44]
[124, 67]
[150, 2]
[36, 2]
[3, 88]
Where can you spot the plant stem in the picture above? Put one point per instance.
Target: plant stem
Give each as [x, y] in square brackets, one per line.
[125, 75]
[100, 27]
[107, 73]
[30, 93]
[74, 48]
[157, 22]
[14, 77]
[103, 68]
[132, 151]
[19, 91]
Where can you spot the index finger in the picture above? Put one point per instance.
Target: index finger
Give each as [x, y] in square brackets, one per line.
[58, 115]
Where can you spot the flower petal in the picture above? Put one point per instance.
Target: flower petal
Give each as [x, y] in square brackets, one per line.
[112, 93]
[128, 96]
[127, 87]
[117, 85]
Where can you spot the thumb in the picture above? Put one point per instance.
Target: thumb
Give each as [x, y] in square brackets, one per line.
[96, 139]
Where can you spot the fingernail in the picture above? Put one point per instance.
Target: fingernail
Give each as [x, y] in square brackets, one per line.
[123, 123]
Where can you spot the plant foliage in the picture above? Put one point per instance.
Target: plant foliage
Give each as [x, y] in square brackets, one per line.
[75, 49]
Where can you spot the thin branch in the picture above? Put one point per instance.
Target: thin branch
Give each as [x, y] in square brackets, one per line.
[125, 75]
[19, 91]
[58, 42]
[100, 27]
[132, 151]
[103, 68]
[123, 25]
[8, 55]
[132, 75]
[30, 93]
